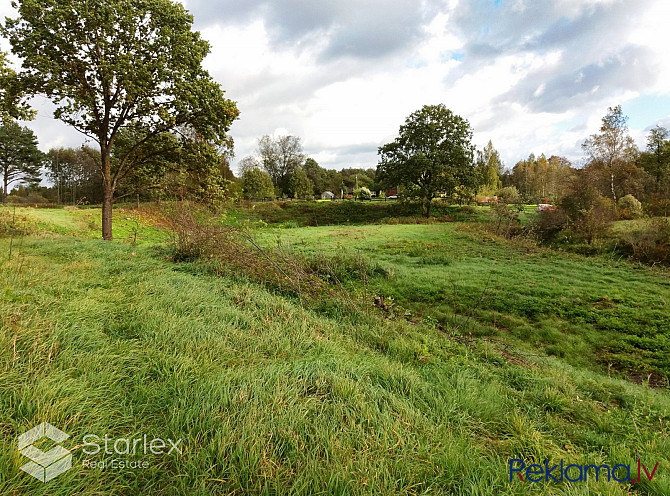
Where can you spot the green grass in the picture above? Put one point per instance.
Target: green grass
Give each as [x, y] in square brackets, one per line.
[128, 224]
[272, 398]
[591, 312]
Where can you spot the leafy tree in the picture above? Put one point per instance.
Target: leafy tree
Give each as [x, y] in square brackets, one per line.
[613, 148]
[12, 104]
[20, 159]
[432, 155]
[108, 65]
[280, 157]
[317, 174]
[656, 159]
[489, 168]
[300, 186]
[257, 184]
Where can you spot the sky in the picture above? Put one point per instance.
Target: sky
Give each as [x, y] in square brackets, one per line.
[532, 76]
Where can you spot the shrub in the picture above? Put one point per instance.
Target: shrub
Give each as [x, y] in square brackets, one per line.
[506, 212]
[650, 243]
[589, 214]
[549, 224]
[629, 208]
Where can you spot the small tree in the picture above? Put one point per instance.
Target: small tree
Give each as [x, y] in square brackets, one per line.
[433, 154]
[507, 209]
[257, 185]
[20, 159]
[656, 159]
[489, 167]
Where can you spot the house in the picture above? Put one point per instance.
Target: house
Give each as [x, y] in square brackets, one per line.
[543, 207]
[327, 195]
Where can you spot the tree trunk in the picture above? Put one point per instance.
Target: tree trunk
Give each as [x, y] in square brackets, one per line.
[107, 194]
[138, 201]
[426, 207]
[4, 191]
[612, 185]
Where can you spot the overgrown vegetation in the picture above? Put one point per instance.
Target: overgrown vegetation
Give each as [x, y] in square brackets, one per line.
[272, 397]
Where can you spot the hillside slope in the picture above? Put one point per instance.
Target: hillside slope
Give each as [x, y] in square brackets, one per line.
[272, 398]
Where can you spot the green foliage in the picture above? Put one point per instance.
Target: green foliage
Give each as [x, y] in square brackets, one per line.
[280, 157]
[542, 180]
[257, 185]
[656, 159]
[20, 159]
[143, 66]
[432, 155]
[488, 168]
[300, 186]
[363, 193]
[12, 97]
[629, 207]
[76, 174]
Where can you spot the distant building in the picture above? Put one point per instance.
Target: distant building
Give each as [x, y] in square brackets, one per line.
[327, 195]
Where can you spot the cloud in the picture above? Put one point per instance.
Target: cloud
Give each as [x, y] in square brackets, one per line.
[343, 74]
[345, 28]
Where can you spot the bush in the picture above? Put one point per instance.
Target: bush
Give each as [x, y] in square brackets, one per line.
[629, 208]
[649, 244]
[549, 224]
[589, 214]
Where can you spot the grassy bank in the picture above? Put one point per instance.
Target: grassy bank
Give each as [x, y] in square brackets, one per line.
[270, 397]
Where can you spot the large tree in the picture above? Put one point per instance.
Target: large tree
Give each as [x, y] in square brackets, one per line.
[20, 159]
[280, 157]
[613, 148]
[432, 155]
[108, 65]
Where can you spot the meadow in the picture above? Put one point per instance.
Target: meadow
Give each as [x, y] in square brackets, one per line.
[479, 350]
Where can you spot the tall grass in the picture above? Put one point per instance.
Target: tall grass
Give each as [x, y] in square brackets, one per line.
[270, 397]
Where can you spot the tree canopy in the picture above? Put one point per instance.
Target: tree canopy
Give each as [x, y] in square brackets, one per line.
[280, 157]
[432, 155]
[108, 65]
[257, 184]
[12, 98]
[20, 159]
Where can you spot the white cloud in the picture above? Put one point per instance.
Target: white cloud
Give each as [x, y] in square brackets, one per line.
[343, 75]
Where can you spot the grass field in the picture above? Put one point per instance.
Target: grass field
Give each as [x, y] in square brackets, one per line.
[270, 397]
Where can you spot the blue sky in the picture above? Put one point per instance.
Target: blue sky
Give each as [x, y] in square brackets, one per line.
[532, 76]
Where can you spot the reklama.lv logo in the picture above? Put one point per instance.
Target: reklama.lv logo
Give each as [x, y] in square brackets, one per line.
[577, 473]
